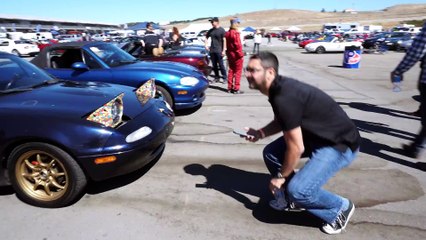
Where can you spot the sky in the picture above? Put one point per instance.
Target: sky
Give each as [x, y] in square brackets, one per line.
[126, 11]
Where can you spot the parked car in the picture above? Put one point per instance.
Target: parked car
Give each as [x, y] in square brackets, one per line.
[55, 135]
[404, 45]
[381, 38]
[197, 60]
[18, 47]
[393, 42]
[69, 38]
[330, 44]
[181, 85]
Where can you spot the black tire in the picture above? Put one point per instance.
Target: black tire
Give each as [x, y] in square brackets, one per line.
[320, 50]
[16, 52]
[44, 175]
[163, 94]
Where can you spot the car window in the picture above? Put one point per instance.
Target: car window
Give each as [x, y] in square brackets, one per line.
[64, 58]
[112, 55]
[17, 73]
[90, 61]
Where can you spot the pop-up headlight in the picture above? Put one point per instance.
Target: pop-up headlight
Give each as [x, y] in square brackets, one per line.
[110, 114]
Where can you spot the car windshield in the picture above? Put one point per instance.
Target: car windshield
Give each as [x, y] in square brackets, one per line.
[17, 74]
[112, 55]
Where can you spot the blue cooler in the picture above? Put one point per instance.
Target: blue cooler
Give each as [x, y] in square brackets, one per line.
[352, 57]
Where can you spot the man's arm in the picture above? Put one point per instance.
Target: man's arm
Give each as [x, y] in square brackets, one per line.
[160, 42]
[224, 46]
[295, 148]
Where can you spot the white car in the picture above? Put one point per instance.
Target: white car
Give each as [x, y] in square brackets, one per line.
[332, 45]
[18, 47]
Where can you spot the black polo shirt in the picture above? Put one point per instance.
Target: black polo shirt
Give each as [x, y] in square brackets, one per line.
[322, 120]
[216, 35]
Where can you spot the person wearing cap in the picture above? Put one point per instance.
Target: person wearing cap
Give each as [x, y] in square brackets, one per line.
[235, 55]
[217, 48]
[152, 42]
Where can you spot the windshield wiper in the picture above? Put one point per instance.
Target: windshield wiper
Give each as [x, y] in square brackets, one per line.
[29, 88]
[129, 61]
[15, 90]
[46, 82]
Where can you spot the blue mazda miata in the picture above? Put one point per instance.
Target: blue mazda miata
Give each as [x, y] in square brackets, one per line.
[180, 85]
[55, 135]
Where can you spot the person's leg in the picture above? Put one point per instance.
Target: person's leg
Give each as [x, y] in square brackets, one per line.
[238, 72]
[254, 48]
[273, 155]
[420, 141]
[414, 149]
[222, 67]
[231, 73]
[213, 57]
[305, 188]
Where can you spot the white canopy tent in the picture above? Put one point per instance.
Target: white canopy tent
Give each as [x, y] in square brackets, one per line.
[275, 29]
[293, 29]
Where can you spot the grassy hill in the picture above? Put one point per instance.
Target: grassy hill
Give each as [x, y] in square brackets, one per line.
[313, 20]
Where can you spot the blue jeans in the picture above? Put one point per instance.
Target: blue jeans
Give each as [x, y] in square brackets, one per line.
[217, 63]
[305, 187]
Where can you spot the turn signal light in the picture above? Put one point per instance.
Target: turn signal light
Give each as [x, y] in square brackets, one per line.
[103, 160]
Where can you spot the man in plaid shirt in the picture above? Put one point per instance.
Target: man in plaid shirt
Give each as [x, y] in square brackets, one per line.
[417, 52]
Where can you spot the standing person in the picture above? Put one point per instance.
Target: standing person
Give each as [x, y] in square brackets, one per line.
[217, 48]
[312, 124]
[151, 40]
[177, 39]
[257, 41]
[417, 52]
[235, 56]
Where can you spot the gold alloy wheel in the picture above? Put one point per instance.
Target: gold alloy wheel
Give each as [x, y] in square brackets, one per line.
[41, 175]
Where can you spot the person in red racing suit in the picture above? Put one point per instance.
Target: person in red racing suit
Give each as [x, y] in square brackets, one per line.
[235, 55]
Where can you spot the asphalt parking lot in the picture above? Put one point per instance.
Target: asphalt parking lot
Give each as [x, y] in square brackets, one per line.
[210, 184]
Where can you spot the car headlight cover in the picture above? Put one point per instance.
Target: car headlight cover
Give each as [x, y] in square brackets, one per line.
[146, 91]
[138, 134]
[110, 114]
[189, 81]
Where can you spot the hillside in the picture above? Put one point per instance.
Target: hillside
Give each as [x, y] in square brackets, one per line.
[313, 20]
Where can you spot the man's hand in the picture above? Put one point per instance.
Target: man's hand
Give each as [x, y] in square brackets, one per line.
[394, 75]
[252, 134]
[276, 183]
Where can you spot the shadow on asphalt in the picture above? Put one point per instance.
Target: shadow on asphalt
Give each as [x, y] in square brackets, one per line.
[367, 107]
[379, 149]
[185, 112]
[336, 66]
[223, 89]
[236, 183]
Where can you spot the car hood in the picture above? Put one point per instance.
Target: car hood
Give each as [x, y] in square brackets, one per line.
[163, 66]
[72, 99]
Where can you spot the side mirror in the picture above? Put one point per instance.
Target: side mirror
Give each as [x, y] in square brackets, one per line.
[79, 66]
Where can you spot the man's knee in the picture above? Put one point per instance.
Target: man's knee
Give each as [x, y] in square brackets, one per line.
[298, 193]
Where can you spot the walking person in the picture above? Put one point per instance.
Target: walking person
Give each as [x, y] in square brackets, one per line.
[257, 41]
[217, 48]
[312, 124]
[235, 56]
[417, 52]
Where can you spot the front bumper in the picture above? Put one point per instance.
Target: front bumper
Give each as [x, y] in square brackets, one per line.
[132, 156]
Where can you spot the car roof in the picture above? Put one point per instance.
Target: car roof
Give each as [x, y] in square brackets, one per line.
[41, 61]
